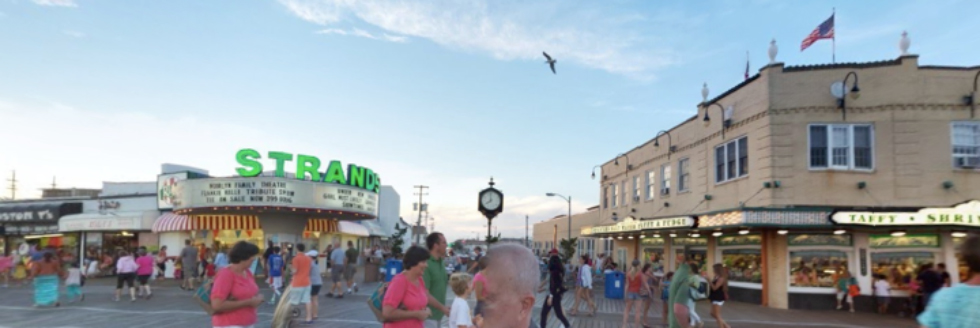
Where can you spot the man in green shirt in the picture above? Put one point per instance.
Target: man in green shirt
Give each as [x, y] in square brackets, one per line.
[436, 279]
[350, 266]
[679, 295]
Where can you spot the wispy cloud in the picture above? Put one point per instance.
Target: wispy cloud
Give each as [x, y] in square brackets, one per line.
[509, 30]
[363, 34]
[56, 3]
[74, 34]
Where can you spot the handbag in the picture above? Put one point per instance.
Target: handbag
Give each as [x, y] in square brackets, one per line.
[374, 302]
[203, 296]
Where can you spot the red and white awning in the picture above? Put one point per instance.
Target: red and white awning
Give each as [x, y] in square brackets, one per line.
[173, 222]
[226, 222]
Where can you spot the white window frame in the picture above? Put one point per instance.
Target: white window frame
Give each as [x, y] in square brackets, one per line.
[738, 164]
[651, 184]
[850, 151]
[615, 195]
[953, 145]
[625, 193]
[681, 173]
[665, 176]
[605, 197]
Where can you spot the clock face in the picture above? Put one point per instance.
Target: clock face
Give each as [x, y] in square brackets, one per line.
[490, 201]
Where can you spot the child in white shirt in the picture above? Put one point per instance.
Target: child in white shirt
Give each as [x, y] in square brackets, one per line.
[73, 283]
[882, 293]
[459, 313]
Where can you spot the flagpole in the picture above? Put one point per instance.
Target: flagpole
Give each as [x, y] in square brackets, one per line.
[833, 40]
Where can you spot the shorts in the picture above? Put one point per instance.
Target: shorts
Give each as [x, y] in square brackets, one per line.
[144, 279]
[299, 295]
[349, 271]
[718, 303]
[883, 300]
[315, 290]
[162, 267]
[277, 282]
[128, 278]
[843, 295]
[336, 273]
[632, 296]
[190, 272]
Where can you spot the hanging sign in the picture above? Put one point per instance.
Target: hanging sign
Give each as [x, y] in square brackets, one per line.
[966, 214]
[238, 234]
[275, 192]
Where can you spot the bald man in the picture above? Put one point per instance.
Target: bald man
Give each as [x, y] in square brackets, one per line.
[512, 277]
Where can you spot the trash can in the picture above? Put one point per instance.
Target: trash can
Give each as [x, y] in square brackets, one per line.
[372, 272]
[392, 268]
[615, 283]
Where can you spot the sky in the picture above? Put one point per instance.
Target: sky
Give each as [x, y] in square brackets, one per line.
[430, 92]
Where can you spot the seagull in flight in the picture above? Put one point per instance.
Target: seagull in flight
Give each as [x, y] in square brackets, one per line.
[550, 61]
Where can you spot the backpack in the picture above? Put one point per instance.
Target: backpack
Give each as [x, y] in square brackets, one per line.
[374, 302]
[701, 291]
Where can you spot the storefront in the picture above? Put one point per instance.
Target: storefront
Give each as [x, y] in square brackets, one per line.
[650, 240]
[35, 224]
[317, 206]
[106, 231]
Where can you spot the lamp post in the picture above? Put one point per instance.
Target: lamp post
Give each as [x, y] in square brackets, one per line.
[724, 122]
[855, 93]
[593, 170]
[569, 199]
[969, 99]
[670, 143]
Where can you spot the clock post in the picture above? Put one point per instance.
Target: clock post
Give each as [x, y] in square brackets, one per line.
[491, 203]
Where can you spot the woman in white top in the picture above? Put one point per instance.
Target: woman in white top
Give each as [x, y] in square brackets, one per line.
[584, 287]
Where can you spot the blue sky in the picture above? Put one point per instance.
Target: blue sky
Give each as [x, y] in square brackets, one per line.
[442, 93]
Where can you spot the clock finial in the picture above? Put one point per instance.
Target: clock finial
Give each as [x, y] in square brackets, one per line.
[491, 182]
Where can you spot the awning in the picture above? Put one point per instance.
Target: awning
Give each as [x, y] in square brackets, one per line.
[172, 222]
[374, 229]
[353, 228]
[108, 221]
[321, 225]
[226, 222]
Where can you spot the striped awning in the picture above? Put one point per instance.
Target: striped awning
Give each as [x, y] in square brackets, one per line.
[321, 225]
[172, 222]
[226, 222]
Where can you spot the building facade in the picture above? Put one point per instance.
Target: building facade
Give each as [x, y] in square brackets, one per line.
[789, 179]
[548, 234]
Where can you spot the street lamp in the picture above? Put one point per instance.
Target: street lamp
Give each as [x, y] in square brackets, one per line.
[569, 199]
[628, 165]
[593, 170]
[670, 146]
[855, 93]
[725, 123]
[971, 98]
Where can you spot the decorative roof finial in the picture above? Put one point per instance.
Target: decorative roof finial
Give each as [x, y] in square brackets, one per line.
[704, 92]
[904, 43]
[773, 50]
[491, 182]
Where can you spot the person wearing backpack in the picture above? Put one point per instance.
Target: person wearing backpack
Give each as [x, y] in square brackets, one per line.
[234, 296]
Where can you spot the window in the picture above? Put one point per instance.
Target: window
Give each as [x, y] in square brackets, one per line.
[816, 268]
[665, 179]
[636, 189]
[743, 264]
[966, 145]
[651, 184]
[615, 195]
[841, 146]
[732, 160]
[625, 194]
[683, 175]
[899, 268]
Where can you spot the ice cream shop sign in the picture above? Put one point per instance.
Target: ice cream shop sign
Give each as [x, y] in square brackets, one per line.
[966, 214]
[630, 225]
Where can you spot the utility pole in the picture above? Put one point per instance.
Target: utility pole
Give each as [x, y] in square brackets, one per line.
[421, 207]
[526, 244]
[54, 182]
[13, 185]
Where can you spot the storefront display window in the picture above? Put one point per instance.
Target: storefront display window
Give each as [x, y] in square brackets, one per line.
[699, 255]
[960, 263]
[816, 268]
[113, 241]
[230, 237]
[744, 265]
[899, 267]
[654, 256]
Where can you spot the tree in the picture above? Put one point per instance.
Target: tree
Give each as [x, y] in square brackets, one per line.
[568, 249]
[492, 239]
[458, 246]
[396, 241]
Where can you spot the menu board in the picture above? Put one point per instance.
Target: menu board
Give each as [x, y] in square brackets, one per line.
[274, 191]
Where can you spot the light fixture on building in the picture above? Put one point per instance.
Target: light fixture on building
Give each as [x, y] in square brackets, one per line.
[839, 91]
[630, 237]
[959, 234]
[898, 233]
[695, 235]
[743, 232]
[656, 235]
[643, 236]
[717, 233]
[620, 237]
[673, 235]
[782, 232]
[840, 231]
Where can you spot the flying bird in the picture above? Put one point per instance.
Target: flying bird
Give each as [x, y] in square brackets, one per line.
[550, 61]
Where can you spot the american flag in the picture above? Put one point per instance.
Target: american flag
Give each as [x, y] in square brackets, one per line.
[824, 31]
